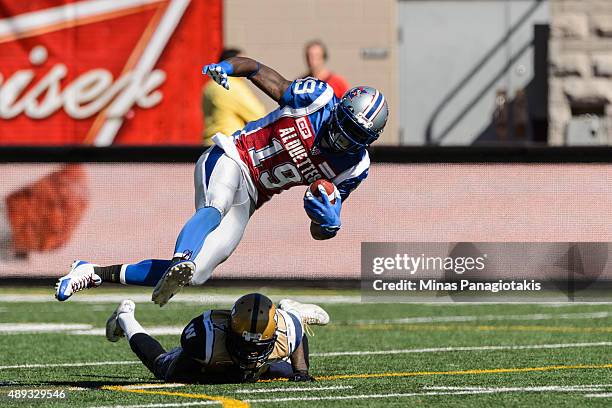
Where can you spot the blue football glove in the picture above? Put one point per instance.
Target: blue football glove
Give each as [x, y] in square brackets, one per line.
[219, 72]
[322, 212]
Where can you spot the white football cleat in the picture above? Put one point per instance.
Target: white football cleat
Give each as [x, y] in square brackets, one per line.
[114, 332]
[80, 277]
[175, 277]
[311, 314]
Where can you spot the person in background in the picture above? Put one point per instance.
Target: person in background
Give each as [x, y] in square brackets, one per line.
[316, 56]
[226, 111]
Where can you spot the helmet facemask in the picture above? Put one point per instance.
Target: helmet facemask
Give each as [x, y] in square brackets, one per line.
[249, 355]
[356, 121]
[347, 132]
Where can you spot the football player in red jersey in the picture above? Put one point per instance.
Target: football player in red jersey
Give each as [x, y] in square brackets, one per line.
[312, 135]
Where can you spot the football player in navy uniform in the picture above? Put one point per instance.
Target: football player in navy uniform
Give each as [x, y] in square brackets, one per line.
[253, 340]
[312, 135]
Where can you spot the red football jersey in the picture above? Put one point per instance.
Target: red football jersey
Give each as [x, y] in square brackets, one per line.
[279, 150]
[281, 155]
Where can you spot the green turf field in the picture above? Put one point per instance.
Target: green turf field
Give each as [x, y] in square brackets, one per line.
[370, 355]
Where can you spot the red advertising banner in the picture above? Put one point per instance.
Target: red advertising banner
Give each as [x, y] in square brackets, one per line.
[105, 72]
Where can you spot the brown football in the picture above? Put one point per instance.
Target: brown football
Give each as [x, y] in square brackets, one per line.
[330, 189]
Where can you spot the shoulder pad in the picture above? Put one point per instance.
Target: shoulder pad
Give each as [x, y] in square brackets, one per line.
[193, 338]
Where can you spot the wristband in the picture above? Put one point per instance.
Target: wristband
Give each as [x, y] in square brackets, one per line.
[252, 74]
[227, 67]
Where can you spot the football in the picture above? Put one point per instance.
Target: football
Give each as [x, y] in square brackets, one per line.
[330, 189]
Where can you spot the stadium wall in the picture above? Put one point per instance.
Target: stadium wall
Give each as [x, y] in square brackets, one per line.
[135, 210]
[361, 37]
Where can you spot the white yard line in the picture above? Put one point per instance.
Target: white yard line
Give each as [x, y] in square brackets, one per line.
[468, 348]
[400, 395]
[182, 298]
[435, 391]
[18, 328]
[293, 389]
[546, 388]
[82, 364]
[85, 329]
[168, 405]
[241, 391]
[476, 390]
[347, 353]
[153, 331]
[92, 297]
[481, 318]
[152, 386]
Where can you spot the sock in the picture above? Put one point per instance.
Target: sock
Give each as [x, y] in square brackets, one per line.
[144, 273]
[129, 324]
[192, 236]
[147, 349]
[109, 273]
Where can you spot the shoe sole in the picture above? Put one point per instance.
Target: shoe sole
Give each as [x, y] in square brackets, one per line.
[171, 283]
[111, 328]
[61, 298]
[114, 332]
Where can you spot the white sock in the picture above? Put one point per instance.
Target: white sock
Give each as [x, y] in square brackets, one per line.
[129, 324]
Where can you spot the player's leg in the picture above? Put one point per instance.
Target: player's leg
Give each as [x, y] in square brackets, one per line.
[123, 323]
[85, 275]
[216, 178]
[222, 242]
[143, 273]
[223, 209]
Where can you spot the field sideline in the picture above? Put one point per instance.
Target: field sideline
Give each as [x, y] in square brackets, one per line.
[370, 355]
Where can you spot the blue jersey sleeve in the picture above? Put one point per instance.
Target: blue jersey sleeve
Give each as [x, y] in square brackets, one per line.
[348, 180]
[347, 186]
[303, 93]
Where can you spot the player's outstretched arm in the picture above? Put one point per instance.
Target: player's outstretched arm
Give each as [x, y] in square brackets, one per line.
[300, 362]
[265, 78]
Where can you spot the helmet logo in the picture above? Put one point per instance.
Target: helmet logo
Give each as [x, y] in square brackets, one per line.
[357, 91]
[251, 336]
[363, 121]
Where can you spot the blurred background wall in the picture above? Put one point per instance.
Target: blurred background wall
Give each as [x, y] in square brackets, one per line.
[455, 72]
[361, 37]
[467, 71]
[435, 202]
